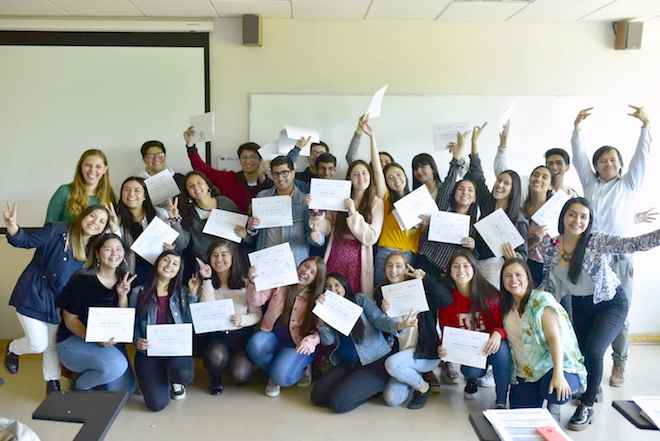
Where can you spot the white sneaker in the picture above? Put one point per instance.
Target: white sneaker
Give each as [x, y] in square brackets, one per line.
[178, 391]
[272, 389]
[487, 380]
[306, 379]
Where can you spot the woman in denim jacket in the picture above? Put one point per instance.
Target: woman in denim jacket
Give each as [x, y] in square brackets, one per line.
[359, 358]
[161, 301]
[579, 263]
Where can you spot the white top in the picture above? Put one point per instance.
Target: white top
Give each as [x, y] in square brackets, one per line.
[513, 325]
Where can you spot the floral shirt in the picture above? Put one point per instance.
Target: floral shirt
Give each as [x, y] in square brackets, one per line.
[535, 358]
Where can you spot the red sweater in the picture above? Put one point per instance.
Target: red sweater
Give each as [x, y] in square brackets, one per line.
[457, 315]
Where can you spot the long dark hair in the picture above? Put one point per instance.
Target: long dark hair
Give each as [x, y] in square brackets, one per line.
[421, 160]
[513, 203]
[187, 208]
[473, 210]
[173, 287]
[547, 194]
[124, 214]
[480, 289]
[366, 203]
[93, 263]
[238, 268]
[378, 293]
[577, 259]
[394, 196]
[506, 304]
[358, 330]
[317, 288]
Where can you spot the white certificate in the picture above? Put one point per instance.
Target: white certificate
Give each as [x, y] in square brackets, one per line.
[161, 187]
[650, 407]
[449, 227]
[496, 229]
[443, 134]
[149, 244]
[412, 205]
[329, 194]
[275, 267]
[290, 135]
[548, 214]
[105, 324]
[204, 127]
[376, 104]
[273, 211]
[464, 347]
[405, 297]
[221, 223]
[212, 316]
[170, 340]
[521, 424]
[338, 312]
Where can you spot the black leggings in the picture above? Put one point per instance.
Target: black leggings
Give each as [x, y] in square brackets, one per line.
[343, 388]
[222, 350]
[155, 375]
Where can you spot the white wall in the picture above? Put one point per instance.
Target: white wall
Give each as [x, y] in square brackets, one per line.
[414, 57]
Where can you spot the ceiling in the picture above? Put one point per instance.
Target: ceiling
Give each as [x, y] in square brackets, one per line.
[528, 11]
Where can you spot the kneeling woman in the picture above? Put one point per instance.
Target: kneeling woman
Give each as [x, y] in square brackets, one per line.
[106, 284]
[547, 363]
[476, 306]
[358, 360]
[161, 301]
[287, 339]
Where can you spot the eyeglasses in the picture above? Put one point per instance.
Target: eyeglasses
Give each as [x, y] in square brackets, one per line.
[282, 174]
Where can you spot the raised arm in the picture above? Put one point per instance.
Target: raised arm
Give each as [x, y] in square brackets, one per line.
[624, 245]
[580, 157]
[21, 238]
[221, 178]
[377, 170]
[455, 166]
[353, 147]
[501, 163]
[476, 175]
[637, 168]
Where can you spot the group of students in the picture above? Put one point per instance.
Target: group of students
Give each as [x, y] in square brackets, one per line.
[551, 306]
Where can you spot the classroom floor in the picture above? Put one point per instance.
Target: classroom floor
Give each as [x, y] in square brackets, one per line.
[244, 413]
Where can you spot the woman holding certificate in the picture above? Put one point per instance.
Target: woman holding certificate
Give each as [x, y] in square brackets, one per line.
[162, 301]
[285, 344]
[358, 359]
[579, 264]
[106, 284]
[60, 252]
[224, 278]
[540, 190]
[476, 307]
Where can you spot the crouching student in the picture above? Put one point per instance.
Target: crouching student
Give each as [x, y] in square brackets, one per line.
[358, 360]
[476, 306]
[106, 284]
[285, 344]
[162, 301]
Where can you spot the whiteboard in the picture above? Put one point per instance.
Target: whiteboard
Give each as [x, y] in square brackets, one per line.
[58, 101]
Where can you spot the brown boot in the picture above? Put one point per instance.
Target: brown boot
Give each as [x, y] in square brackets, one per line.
[616, 378]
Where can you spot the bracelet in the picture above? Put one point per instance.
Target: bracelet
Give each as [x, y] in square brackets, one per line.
[207, 278]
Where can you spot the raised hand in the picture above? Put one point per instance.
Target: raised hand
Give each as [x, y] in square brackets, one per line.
[364, 119]
[189, 136]
[10, 216]
[476, 132]
[193, 284]
[113, 219]
[204, 269]
[414, 273]
[646, 217]
[173, 209]
[504, 133]
[124, 285]
[303, 141]
[582, 115]
[367, 130]
[640, 114]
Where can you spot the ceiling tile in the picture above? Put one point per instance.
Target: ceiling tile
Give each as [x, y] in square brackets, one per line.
[634, 9]
[267, 9]
[98, 7]
[558, 10]
[175, 8]
[398, 9]
[347, 9]
[478, 11]
[29, 7]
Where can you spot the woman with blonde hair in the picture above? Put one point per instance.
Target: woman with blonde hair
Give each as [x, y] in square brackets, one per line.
[90, 186]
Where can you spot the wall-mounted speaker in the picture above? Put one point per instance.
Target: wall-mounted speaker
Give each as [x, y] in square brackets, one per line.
[628, 34]
[252, 32]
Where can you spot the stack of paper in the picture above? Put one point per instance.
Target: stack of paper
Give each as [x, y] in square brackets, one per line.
[290, 135]
[522, 424]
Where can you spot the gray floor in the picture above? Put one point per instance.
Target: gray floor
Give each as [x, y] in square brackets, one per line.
[246, 414]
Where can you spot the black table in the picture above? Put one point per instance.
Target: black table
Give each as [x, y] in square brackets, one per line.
[631, 411]
[96, 410]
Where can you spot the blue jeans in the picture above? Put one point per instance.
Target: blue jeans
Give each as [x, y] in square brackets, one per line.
[623, 266]
[279, 359]
[157, 373]
[501, 363]
[99, 367]
[405, 372]
[531, 394]
[379, 262]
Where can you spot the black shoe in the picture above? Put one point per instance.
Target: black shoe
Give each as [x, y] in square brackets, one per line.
[418, 399]
[581, 418]
[11, 361]
[53, 386]
[215, 385]
[471, 389]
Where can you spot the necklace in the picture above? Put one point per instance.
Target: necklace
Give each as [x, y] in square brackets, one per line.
[565, 255]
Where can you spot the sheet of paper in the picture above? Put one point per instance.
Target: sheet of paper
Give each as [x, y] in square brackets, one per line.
[449, 227]
[338, 312]
[443, 134]
[548, 214]
[376, 104]
[273, 211]
[275, 267]
[464, 347]
[521, 424]
[329, 194]
[170, 340]
[270, 151]
[204, 126]
[149, 244]
[212, 316]
[104, 324]
[413, 204]
[161, 187]
[405, 297]
[650, 407]
[289, 135]
[221, 223]
[496, 229]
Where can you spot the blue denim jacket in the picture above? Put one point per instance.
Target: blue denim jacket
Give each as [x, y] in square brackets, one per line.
[374, 345]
